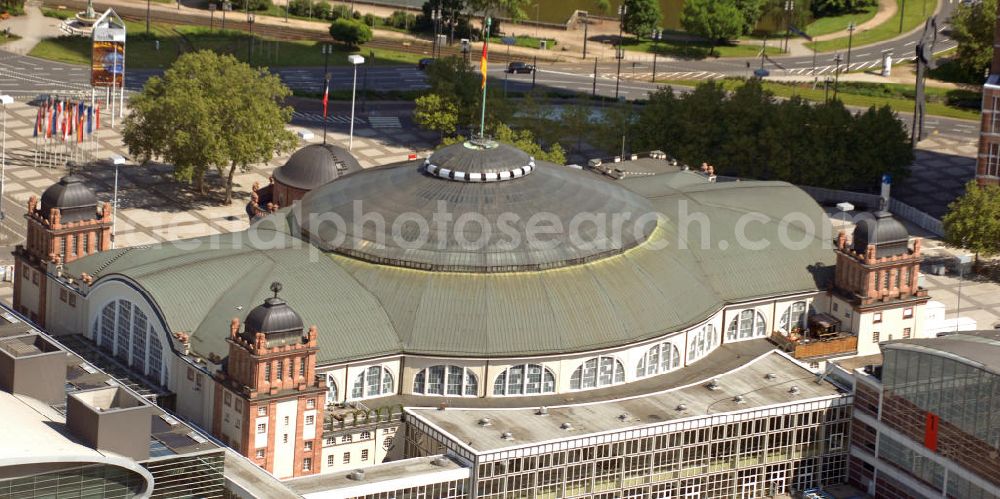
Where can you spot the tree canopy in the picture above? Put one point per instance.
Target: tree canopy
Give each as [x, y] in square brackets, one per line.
[209, 111]
[748, 133]
[515, 10]
[715, 20]
[436, 112]
[521, 139]
[973, 220]
[350, 32]
[827, 8]
[972, 27]
[641, 17]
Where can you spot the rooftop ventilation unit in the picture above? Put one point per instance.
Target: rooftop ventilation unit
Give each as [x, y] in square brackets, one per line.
[542, 411]
[794, 390]
[681, 407]
[594, 163]
[623, 416]
[739, 399]
[770, 376]
[507, 435]
[566, 426]
[441, 461]
[485, 422]
[713, 385]
[356, 475]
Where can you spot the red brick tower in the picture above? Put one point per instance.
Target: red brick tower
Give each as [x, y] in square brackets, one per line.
[988, 160]
[879, 265]
[65, 226]
[268, 401]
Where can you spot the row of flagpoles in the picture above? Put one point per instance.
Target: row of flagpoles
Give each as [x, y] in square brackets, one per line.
[64, 131]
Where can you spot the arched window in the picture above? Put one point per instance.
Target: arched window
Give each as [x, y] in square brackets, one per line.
[372, 382]
[446, 380]
[331, 389]
[701, 341]
[597, 372]
[526, 379]
[749, 324]
[660, 358]
[794, 316]
[124, 330]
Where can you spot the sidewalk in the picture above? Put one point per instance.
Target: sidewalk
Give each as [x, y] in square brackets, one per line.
[31, 27]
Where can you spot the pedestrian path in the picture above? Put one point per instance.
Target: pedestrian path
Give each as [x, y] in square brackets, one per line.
[384, 122]
[318, 118]
[668, 75]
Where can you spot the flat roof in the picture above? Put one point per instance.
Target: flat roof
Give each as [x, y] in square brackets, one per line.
[383, 477]
[751, 382]
[978, 347]
[35, 428]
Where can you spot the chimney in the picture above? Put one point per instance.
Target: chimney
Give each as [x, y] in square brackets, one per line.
[33, 366]
[111, 419]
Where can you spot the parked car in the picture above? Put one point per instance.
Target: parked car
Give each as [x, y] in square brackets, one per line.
[520, 67]
[816, 494]
[423, 63]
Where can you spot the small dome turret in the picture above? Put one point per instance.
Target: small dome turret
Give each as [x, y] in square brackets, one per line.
[888, 235]
[315, 165]
[74, 200]
[279, 323]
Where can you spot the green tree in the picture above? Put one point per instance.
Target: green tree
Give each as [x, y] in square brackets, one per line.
[641, 17]
[603, 6]
[350, 32]
[209, 111]
[714, 20]
[515, 10]
[752, 11]
[254, 4]
[452, 77]
[437, 113]
[521, 139]
[973, 220]
[972, 27]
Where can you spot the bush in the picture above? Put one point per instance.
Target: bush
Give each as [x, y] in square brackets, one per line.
[254, 4]
[340, 11]
[401, 20]
[350, 32]
[827, 8]
[369, 19]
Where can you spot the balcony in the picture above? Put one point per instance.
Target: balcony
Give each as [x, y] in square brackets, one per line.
[821, 339]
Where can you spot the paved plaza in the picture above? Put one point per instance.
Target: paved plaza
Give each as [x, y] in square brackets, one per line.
[943, 166]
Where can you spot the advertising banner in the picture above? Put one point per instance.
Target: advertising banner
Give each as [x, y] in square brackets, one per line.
[107, 63]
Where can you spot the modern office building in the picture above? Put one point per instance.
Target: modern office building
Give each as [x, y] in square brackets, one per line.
[927, 417]
[69, 430]
[531, 284]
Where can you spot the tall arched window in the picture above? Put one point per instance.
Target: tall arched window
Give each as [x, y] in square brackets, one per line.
[124, 330]
[372, 382]
[660, 358]
[701, 341]
[526, 379]
[446, 380]
[749, 324]
[597, 372]
[794, 316]
[331, 389]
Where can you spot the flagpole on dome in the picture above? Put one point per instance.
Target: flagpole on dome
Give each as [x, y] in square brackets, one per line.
[482, 68]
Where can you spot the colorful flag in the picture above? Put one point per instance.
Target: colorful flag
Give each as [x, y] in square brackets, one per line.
[482, 61]
[90, 120]
[97, 117]
[326, 95]
[38, 119]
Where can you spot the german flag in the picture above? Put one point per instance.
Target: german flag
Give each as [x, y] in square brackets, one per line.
[486, 46]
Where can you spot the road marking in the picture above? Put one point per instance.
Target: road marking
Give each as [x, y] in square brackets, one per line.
[909, 43]
[384, 122]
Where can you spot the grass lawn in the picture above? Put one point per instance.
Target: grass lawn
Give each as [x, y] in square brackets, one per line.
[914, 16]
[525, 41]
[8, 38]
[58, 13]
[697, 49]
[940, 102]
[141, 50]
[833, 24]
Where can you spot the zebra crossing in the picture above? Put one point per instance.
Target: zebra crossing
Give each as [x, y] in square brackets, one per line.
[832, 68]
[318, 118]
[384, 122]
[665, 75]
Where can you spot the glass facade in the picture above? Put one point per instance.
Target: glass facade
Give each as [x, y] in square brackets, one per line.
[453, 489]
[188, 476]
[96, 481]
[123, 330]
[756, 454]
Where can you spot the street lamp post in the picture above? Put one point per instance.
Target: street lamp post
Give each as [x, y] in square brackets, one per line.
[226, 7]
[586, 24]
[211, 17]
[147, 17]
[620, 53]
[250, 17]
[4, 99]
[355, 60]
[836, 78]
[656, 50]
[436, 17]
[789, 8]
[594, 91]
[117, 161]
[850, 38]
